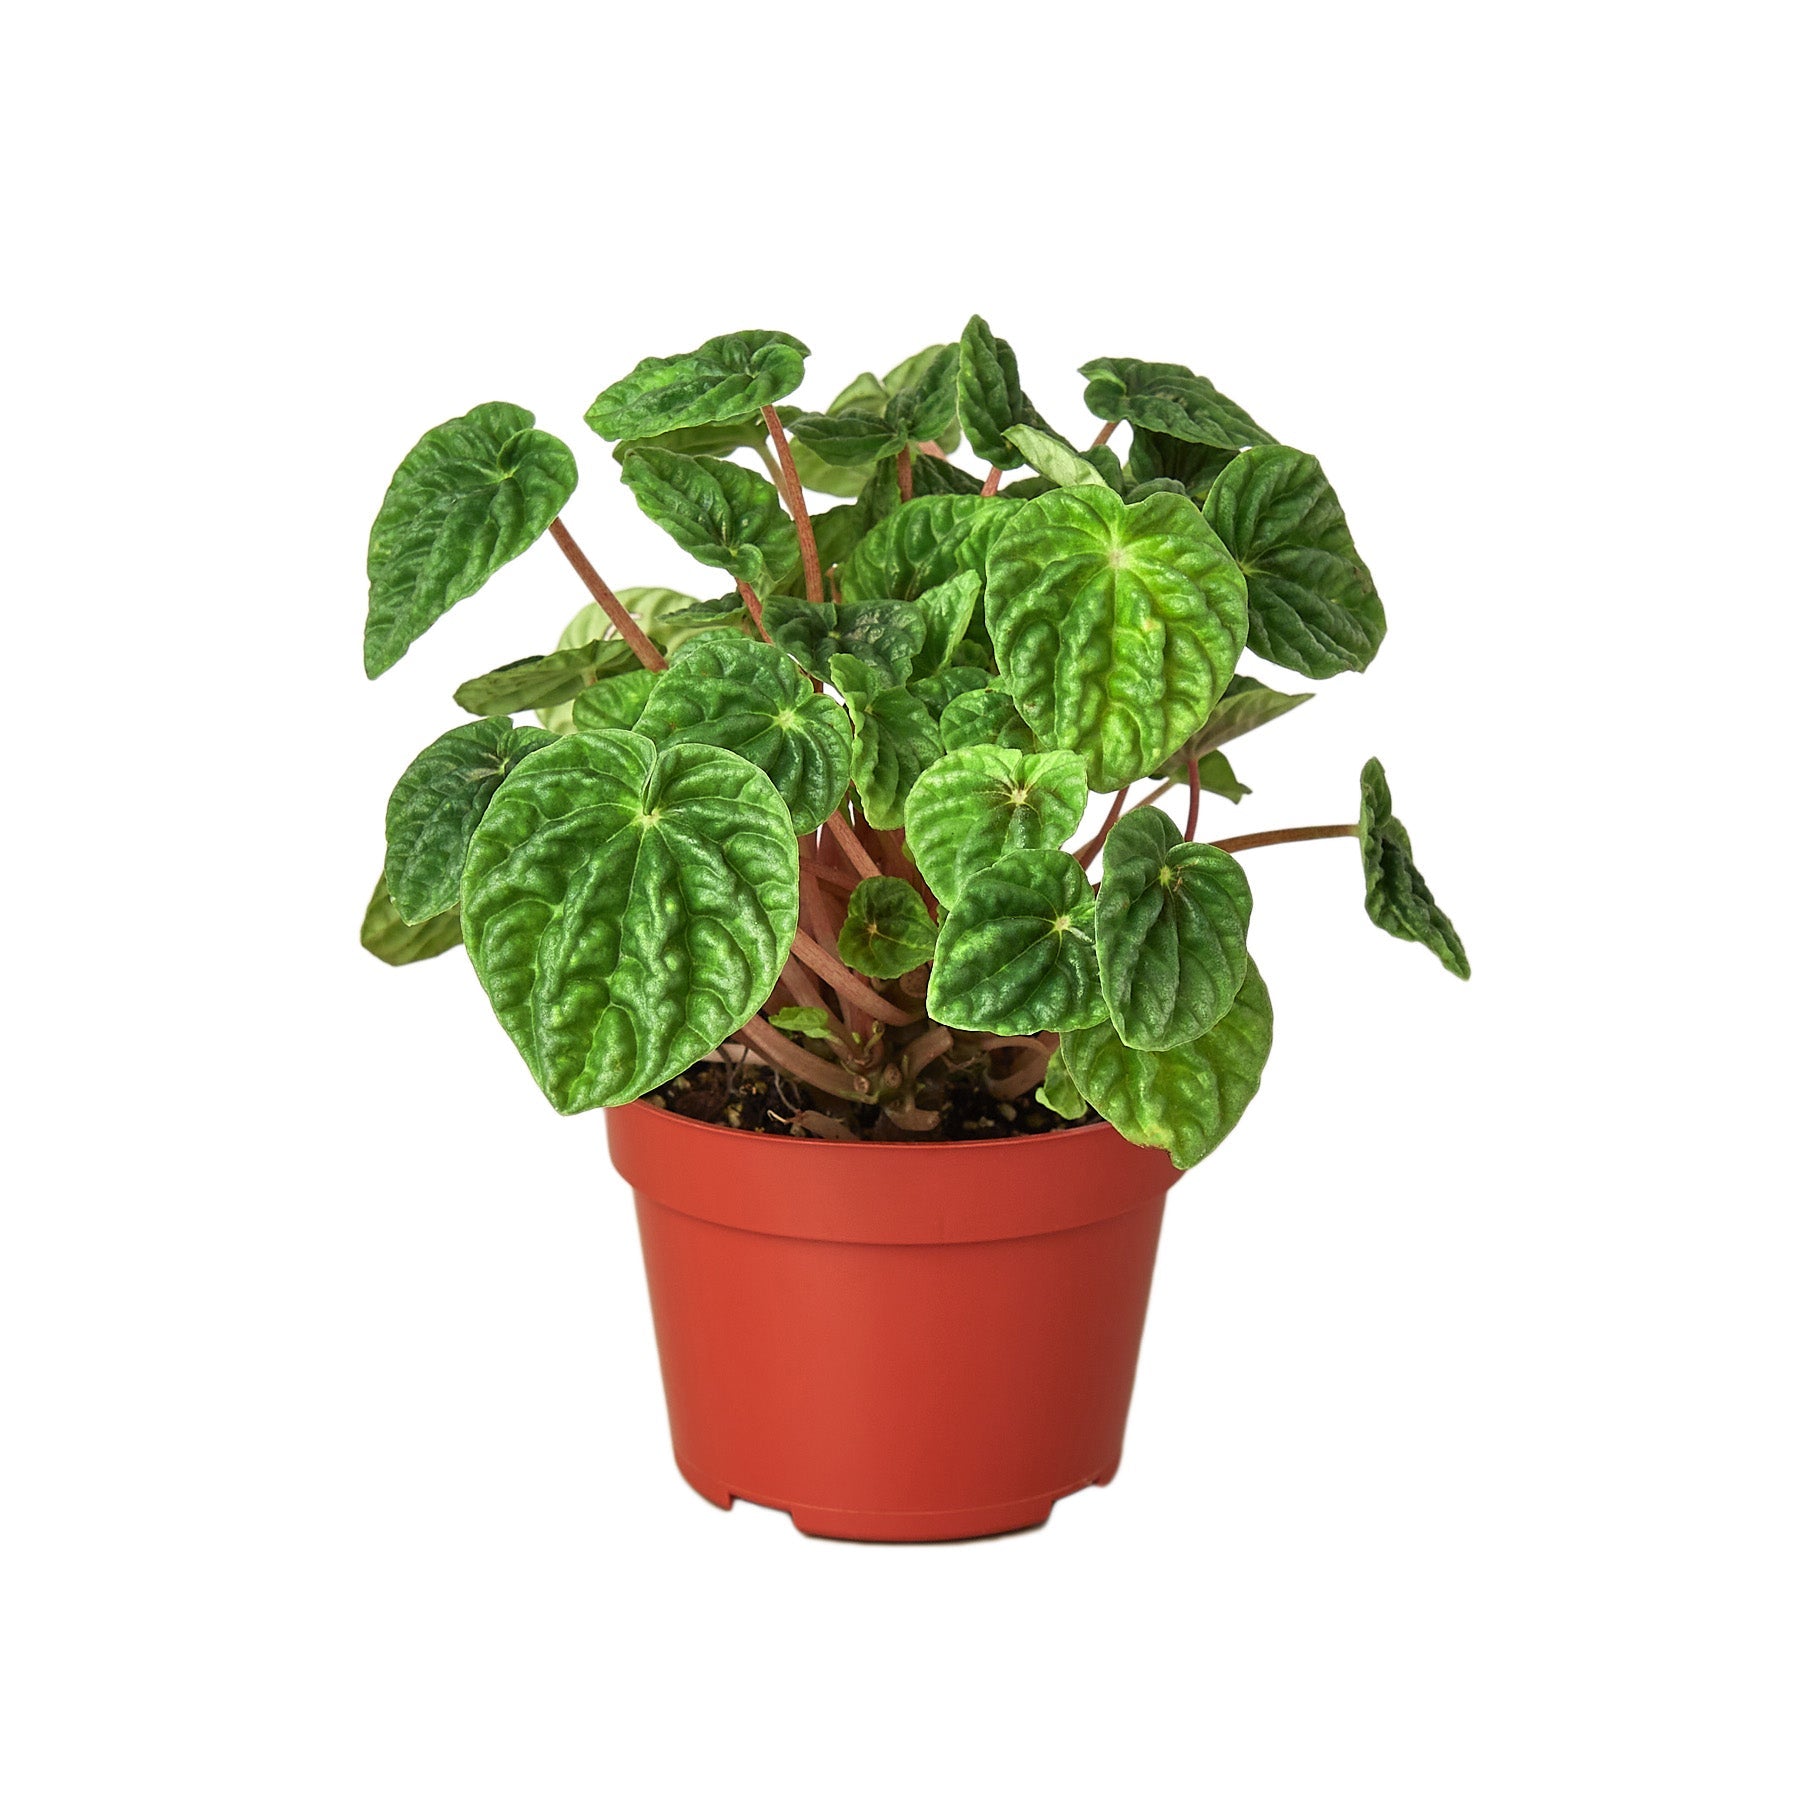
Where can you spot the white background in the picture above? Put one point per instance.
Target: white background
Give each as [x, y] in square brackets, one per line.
[1463, 1458]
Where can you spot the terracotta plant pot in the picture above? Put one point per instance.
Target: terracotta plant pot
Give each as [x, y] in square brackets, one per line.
[894, 1341]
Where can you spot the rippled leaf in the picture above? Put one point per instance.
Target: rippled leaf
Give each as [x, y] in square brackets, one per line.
[937, 691]
[1172, 925]
[471, 495]
[937, 475]
[628, 909]
[847, 439]
[669, 619]
[1115, 627]
[947, 610]
[1395, 894]
[388, 936]
[614, 704]
[1016, 951]
[727, 379]
[706, 440]
[884, 635]
[923, 545]
[1192, 467]
[896, 740]
[922, 408]
[752, 698]
[1183, 1100]
[724, 516]
[977, 804]
[990, 400]
[887, 931]
[986, 716]
[1169, 398]
[1313, 606]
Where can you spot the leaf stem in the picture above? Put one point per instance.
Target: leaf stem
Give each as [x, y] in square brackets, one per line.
[815, 1071]
[1293, 834]
[925, 1049]
[753, 607]
[834, 878]
[1088, 851]
[852, 987]
[809, 548]
[992, 484]
[903, 472]
[1106, 431]
[852, 846]
[609, 603]
[1193, 819]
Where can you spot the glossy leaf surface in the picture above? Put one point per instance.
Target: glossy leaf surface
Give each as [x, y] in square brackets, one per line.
[923, 545]
[615, 704]
[884, 635]
[989, 398]
[1059, 1093]
[1395, 894]
[1053, 459]
[1168, 398]
[896, 741]
[544, 681]
[986, 716]
[727, 517]
[887, 930]
[727, 379]
[946, 610]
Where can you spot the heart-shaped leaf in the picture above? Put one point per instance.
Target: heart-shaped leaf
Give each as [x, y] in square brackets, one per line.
[887, 930]
[884, 635]
[1172, 924]
[726, 517]
[1183, 1100]
[543, 681]
[986, 716]
[976, 805]
[1313, 606]
[1115, 627]
[847, 440]
[471, 494]
[728, 378]
[615, 704]
[436, 805]
[1015, 953]
[388, 936]
[803, 1021]
[1054, 459]
[628, 909]
[989, 398]
[947, 610]
[1395, 894]
[896, 740]
[923, 545]
[1169, 398]
[753, 699]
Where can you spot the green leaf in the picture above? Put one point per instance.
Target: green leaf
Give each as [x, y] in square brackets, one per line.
[544, 680]
[821, 477]
[885, 635]
[728, 378]
[1169, 398]
[888, 931]
[1054, 459]
[1059, 1093]
[836, 533]
[628, 908]
[1015, 953]
[1144, 489]
[804, 1021]
[753, 699]
[1183, 1100]
[1217, 776]
[388, 936]
[989, 398]
[615, 704]
[1193, 468]
[1313, 606]
[923, 545]
[896, 740]
[1245, 705]
[947, 610]
[704, 440]
[937, 691]
[1104, 461]
[436, 805]
[1395, 894]
[976, 805]
[1115, 627]
[669, 619]
[986, 716]
[848, 439]
[1172, 924]
[936, 475]
[472, 494]
[867, 393]
[923, 406]
[724, 516]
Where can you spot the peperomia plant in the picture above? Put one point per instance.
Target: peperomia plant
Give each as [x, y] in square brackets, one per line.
[827, 815]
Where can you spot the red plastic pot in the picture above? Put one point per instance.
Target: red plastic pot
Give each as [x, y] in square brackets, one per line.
[898, 1342]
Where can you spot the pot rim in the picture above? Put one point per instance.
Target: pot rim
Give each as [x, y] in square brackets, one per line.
[1056, 1134]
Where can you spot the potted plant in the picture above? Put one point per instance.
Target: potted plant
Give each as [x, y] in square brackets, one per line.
[792, 880]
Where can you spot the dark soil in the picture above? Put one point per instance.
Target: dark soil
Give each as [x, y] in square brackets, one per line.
[750, 1096]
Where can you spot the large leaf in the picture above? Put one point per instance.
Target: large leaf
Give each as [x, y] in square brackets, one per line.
[896, 740]
[887, 930]
[923, 545]
[388, 936]
[752, 698]
[1115, 627]
[884, 635]
[1192, 467]
[1054, 460]
[986, 716]
[1015, 952]
[1172, 924]
[436, 805]
[724, 516]
[976, 805]
[471, 494]
[1395, 894]
[628, 908]
[728, 378]
[989, 398]
[1183, 1100]
[1169, 398]
[615, 704]
[1313, 606]
[544, 681]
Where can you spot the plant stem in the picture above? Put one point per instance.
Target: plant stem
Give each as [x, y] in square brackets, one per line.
[753, 607]
[852, 846]
[623, 623]
[1193, 822]
[834, 878]
[903, 472]
[815, 1071]
[1088, 851]
[1294, 834]
[809, 548]
[925, 1049]
[833, 973]
[992, 484]
[1106, 431]
[774, 468]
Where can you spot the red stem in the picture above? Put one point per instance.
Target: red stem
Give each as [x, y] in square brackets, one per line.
[992, 484]
[809, 548]
[1088, 851]
[903, 472]
[836, 878]
[860, 860]
[1106, 431]
[1294, 834]
[851, 986]
[753, 607]
[815, 1071]
[623, 623]
[1193, 824]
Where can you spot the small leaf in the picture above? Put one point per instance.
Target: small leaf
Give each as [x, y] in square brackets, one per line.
[1054, 459]
[752, 698]
[1313, 606]
[1144, 489]
[884, 635]
[1218, 777]
[1183, 1100]
[436, 805]
[847, 439]
[1172, 923]
[976, 805]
[1169, 398]
[724, 516]
[867, 393]
[804, 1021]
[1103, 459]
[986, 716]
[544, 680]
[888, 931]
[937, 475]
[727, 379]
[1245, 705]
[628, 908]
[669, 619]
[989, 398]
[923, 545]
[388, 936]
[937, 691]
[923, 408]
[947, 610]
[1395, 894]
[1016, 951]
[615, 704]
[896, 740]
[471, 495]
[1115, 627]
[1059, 1093]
